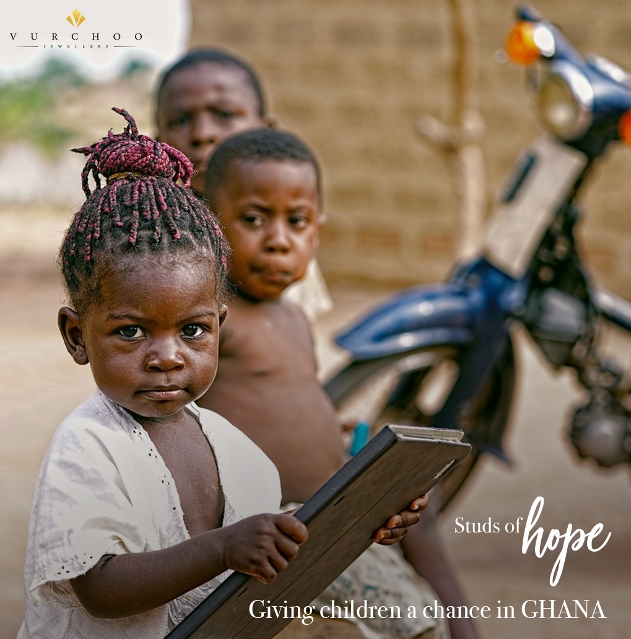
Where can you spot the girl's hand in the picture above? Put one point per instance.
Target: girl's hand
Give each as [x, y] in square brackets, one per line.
[398, 525]
[263, 545]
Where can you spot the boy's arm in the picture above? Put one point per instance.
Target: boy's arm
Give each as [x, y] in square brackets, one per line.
[132, 583]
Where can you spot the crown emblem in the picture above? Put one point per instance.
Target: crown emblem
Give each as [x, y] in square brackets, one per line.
[75, 18]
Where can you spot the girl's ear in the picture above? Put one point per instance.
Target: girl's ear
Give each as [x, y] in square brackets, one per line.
[71, 329]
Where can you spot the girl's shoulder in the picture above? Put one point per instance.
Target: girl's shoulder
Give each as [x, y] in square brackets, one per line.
[96, 412]
[95, 425]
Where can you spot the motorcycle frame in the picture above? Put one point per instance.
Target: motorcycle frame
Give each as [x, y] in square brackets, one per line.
[474, 311]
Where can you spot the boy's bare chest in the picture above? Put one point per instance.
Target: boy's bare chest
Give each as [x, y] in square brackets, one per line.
[273, 347]
[192, 464]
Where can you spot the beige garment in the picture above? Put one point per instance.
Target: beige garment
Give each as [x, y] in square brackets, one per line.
[382, 577]
[104, 489]
[311, 293]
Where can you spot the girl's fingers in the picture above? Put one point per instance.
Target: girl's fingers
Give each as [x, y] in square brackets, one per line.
[420, 503]
[287, 547]
[265, 573]
[385, 536]
[408, 518]
[397, 526]
[292, 527]
[404, 519]
[278, 563]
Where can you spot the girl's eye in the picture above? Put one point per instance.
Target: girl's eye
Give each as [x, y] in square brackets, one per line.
[130, 332]
[193, 330]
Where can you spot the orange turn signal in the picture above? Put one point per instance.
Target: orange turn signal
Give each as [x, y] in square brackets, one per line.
[624, 127]
[520, 44]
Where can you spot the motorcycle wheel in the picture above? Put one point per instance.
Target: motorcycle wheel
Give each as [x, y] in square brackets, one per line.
[410, 388]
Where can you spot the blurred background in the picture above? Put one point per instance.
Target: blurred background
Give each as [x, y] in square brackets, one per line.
[351, 77]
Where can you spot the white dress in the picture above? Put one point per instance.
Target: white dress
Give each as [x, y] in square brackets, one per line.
[104, 489]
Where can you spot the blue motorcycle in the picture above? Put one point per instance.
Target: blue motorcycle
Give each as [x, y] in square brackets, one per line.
[442, 355]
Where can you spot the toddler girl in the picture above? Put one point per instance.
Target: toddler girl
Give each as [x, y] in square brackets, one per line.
[144, 501]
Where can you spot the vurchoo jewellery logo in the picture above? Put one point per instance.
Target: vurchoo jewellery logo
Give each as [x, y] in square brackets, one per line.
[86, 40]
[75, 18]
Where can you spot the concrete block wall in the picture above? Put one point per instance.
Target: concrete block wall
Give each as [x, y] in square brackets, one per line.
[352, 76]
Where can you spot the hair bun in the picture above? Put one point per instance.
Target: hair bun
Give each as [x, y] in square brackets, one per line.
[129, 155]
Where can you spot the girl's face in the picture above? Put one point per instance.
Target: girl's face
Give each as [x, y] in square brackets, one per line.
[152, 338]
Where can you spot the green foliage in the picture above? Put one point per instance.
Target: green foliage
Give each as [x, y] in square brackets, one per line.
[27, 107]
[134, 66]
[59, 74]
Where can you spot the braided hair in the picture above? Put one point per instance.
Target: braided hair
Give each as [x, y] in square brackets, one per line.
[139, 210]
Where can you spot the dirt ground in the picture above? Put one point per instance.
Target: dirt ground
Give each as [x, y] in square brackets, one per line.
[39, 384]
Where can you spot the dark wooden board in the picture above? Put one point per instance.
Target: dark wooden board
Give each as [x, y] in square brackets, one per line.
[399, 464]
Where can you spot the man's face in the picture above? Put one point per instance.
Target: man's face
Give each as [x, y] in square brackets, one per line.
[202, 105]
[270, 211]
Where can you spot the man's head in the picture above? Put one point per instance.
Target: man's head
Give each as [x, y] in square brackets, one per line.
[205, 97]
[265, 187]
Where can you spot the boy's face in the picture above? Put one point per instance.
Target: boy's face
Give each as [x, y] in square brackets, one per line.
[202, 105]
[152, 338]
[271, 215]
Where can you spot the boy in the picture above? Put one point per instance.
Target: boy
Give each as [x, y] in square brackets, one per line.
[204, 98]
[265, 186]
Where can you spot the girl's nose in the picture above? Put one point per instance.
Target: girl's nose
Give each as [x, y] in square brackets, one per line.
[165, 355]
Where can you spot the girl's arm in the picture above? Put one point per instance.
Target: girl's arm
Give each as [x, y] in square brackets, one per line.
[398, 525]
[132, 583]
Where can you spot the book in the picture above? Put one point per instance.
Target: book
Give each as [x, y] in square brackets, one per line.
[395, 467]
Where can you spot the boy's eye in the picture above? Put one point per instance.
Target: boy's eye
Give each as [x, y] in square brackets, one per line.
[130, 332]
[193, 330]
[254, 220]
[299, 221]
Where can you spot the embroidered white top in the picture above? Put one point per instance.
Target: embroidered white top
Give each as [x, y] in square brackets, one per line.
[104, 489]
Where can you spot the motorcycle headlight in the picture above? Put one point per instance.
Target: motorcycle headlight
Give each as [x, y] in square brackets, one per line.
[565, 99]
